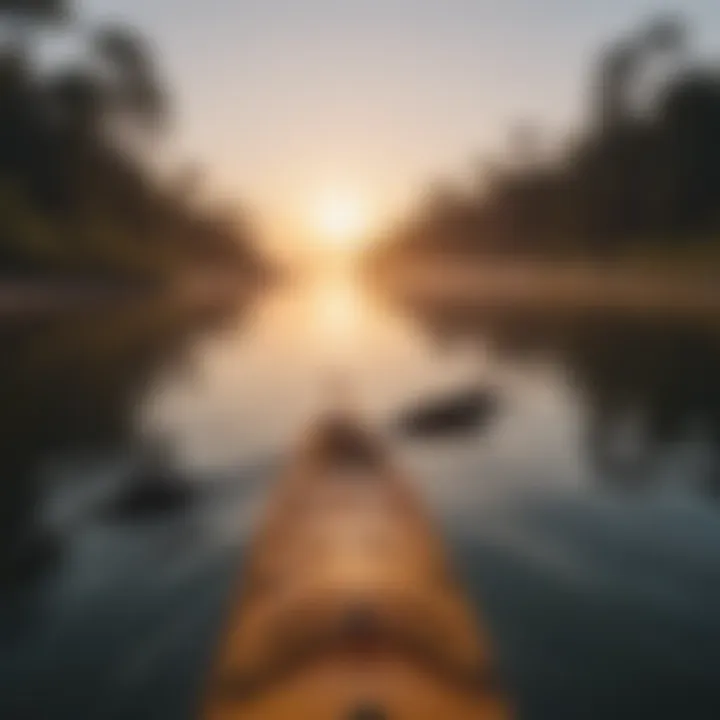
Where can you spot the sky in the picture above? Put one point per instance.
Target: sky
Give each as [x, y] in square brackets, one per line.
[284, 100]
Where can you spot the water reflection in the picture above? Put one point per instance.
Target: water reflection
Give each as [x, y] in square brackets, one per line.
[71, 388]
[601, 603]
[648, 386]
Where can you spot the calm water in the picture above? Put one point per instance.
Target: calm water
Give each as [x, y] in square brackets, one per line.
[584, 518]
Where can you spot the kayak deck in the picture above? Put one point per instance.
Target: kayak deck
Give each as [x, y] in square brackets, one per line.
[348, 608]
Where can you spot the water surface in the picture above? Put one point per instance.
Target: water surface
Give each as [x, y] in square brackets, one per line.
[584, 517]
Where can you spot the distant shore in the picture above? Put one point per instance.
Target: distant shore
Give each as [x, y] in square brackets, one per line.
[20, 297]
[555, 285]
[34, 297]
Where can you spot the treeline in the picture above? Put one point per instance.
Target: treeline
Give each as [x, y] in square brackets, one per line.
[81, 193]
[641, 178]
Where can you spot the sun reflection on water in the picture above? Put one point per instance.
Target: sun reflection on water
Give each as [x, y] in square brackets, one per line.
[337, 311]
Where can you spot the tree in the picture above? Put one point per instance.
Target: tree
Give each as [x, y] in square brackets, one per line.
[74, 144]
[631, 179]
[617, 73]
[136, 92]
[23, 17]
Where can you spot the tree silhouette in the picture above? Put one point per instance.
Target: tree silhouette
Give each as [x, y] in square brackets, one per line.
[644, 173]
[23, 17]
[137, 93]
[76, 195]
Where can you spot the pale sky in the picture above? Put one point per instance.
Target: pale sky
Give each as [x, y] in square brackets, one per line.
[280, 99]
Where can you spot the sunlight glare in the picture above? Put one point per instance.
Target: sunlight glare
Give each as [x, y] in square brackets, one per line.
[341, 222]
[337, 312]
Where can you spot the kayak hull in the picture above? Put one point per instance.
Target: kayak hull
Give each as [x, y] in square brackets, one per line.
[348, 607]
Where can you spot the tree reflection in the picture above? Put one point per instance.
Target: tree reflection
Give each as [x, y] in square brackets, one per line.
[71, 386]
[649, 383]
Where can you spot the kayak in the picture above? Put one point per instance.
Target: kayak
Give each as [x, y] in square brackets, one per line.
[347, 608]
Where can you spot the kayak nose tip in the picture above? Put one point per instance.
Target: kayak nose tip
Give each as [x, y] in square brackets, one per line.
[343, 443]
[367, 711]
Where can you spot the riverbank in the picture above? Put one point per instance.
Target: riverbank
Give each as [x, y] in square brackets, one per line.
[33, 297]
[554, 286]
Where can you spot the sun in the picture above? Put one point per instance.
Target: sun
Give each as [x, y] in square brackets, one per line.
[341, 221]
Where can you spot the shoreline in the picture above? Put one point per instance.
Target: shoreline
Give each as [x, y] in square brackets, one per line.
[557, 286]
[34, 298]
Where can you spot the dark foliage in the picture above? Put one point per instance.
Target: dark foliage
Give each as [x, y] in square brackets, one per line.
[77, 195]
[642, 178]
